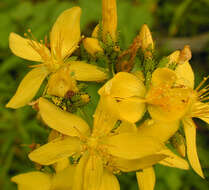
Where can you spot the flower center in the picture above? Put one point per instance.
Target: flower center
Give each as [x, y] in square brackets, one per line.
[168, 103]
[92, 143]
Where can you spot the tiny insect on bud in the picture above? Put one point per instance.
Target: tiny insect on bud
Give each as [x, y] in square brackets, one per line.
[69, 94]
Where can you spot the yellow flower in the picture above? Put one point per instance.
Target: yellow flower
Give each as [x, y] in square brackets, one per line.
[180, 102]
[37, 180]
[155, 130]
[127, 92]
[101, 153]
[166, 100]
[198, 109]
[64, 38]
[109, 19]
[162, 131]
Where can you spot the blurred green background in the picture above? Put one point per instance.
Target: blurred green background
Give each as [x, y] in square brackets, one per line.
[174, 23]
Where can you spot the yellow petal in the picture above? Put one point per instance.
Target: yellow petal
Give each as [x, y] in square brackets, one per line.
[33, 181]
[132, 145]
[92, 46]
[63, 180]
[62, 121]
[61, 164]
[123, 85]
[163, 76]
[109, 181]
[190, 133]
[78, 179]
[93, 172]
[65, 33]
[172, 160]
[200, 110]
[146, 179]
[25, 187]
[138, 164]
[185, 75]
[87, 72]
[131, 109]
[25, 48]
[159, 130]
[126, 127]
[56, 150]
[105, 118]
[168, 104]
[205, 118]
[28, 87]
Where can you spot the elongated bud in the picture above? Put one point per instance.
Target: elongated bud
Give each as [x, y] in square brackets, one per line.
[109, 19]
[95, 32]
[185, 55]
[92, 46]
[147, 44]
[178, 142]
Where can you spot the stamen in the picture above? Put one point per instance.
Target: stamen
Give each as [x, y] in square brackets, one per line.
[204, 95]
[37, 46]
[202, 83]
[201, 110]
[35, 66]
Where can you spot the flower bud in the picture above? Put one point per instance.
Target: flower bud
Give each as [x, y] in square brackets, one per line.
[185, 55]
[147, 44]
[178, 142]
[92, 46]
[109, 19]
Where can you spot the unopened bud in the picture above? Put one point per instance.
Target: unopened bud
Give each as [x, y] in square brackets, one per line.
[92, 46]
[178, 142]
[109, 19]
[185, 55]
[147, 44]
[173, 58]
[85, 98]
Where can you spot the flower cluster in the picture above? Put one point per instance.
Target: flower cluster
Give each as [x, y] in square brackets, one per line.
[140, 105]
